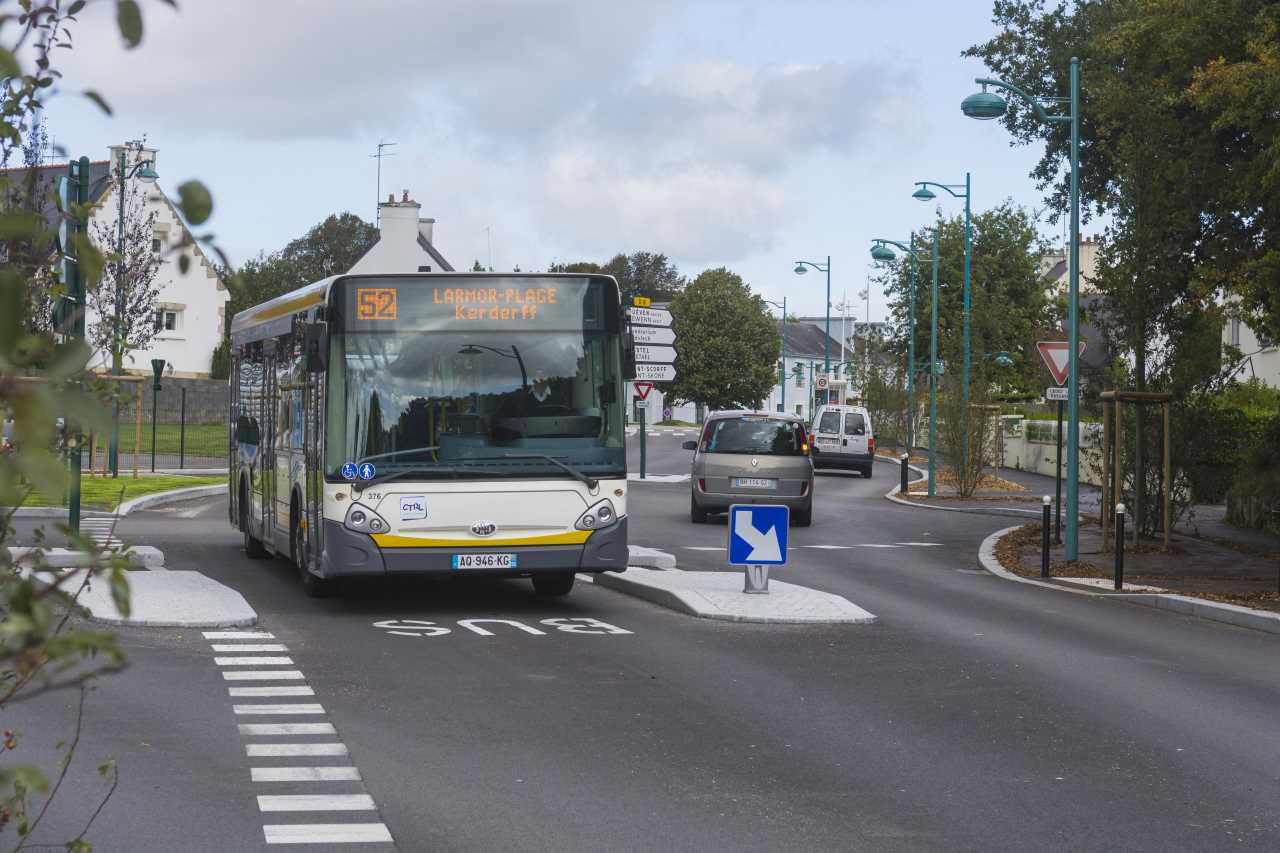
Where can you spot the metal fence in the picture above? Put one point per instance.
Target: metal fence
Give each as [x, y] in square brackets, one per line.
[189, 428]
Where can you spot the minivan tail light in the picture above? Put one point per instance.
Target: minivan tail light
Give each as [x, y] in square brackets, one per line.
[871, 445]
[702, 484]
[811, 439]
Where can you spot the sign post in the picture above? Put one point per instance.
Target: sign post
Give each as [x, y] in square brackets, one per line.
[1056, 357]
[758, 540]
[653, 355]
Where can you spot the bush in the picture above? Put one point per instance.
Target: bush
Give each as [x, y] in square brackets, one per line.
[1254, 498]
[220, 364]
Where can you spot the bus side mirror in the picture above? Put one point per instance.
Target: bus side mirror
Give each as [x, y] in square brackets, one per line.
[316, 347]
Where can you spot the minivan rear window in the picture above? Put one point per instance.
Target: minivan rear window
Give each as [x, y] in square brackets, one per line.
[762, 436]
[854, 424]
[829, 422]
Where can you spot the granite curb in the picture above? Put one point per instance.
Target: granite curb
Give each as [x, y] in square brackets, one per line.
[1230, 614]
[141, 502]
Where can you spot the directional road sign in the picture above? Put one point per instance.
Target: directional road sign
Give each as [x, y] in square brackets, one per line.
[643, 389]
[758, 535]
[653, 335]
[1054, 354]
[661, 355]
[649, 316]
[656, 372]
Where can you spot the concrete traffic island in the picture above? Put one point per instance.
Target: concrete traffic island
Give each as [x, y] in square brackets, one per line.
[719, 595]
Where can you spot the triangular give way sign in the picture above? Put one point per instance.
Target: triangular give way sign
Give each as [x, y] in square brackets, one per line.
[1054, 354]
[643, 389]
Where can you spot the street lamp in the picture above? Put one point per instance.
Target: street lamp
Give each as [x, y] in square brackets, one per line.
[881, 252]
[826, 344]
[474, 349]
[782, 334]
[145, 171]
[985, 106]
[924, 194]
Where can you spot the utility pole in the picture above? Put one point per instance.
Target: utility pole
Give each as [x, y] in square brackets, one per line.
[377, 219]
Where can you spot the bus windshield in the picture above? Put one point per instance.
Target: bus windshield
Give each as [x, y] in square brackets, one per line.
[476, 377]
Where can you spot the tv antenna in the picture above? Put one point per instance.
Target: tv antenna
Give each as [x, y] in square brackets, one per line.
[377, 218]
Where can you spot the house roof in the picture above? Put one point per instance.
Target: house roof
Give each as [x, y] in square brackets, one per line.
[46, 179]
[803, 339]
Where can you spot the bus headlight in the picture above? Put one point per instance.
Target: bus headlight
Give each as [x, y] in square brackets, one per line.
[598, 515]
[361, 519]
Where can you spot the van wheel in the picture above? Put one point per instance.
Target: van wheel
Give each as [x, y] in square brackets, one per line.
[697, 514]
[553, 583]
[252, 545]
[802, 517]
[314, 587]
[866, 472]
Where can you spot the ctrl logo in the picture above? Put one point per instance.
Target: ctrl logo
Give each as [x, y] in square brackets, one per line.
[413, 507]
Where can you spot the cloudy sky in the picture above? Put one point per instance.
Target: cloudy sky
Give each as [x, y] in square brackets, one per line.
[743, 134]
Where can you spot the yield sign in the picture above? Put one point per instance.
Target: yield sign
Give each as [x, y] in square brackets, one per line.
[643, 389]
[1055, 356]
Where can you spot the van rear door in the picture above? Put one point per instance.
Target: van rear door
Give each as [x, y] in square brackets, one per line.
[826, 431]
[855, 436]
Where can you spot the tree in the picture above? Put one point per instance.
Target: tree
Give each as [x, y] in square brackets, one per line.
[727, 343]
[639, 274]
[123, 304]
[42, 647]
[329, 248]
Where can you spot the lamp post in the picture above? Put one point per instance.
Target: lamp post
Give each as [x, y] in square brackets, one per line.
[826, 344]
[157, 367]
[881, 252]
[985, 106]
[782, 335]
[145, 171]
[923, 194]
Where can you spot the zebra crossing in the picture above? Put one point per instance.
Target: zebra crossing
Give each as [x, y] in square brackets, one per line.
[310, 755]
[101, 531]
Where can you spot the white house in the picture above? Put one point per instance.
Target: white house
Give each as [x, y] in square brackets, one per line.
[404, 241]
[190, 309]
[1258, 357]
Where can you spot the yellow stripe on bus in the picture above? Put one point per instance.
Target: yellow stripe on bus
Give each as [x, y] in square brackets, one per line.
[290, 307]
[390, 540]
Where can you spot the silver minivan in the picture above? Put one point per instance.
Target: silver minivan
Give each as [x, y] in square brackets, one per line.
[751, 457]
[842, 438]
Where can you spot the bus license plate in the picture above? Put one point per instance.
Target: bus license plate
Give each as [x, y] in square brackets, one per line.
[484, 561]
[753, 483]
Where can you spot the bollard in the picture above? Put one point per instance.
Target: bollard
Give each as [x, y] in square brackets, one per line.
[1119, 547]
[902, 489]
[1044, 538]
[182, 430]
[757, 580]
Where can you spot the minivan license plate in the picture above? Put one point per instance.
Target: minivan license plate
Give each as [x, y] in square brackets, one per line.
[484, 561]
[753, 483]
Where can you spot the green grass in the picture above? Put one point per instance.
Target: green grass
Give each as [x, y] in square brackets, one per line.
[104, 492]
[201, 440]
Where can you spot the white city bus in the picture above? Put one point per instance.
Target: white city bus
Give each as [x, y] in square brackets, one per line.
[436, 424]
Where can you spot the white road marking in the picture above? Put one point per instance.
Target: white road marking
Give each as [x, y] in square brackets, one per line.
[263, 675]
[254, 661]
[923, 544]
[239, 635]
[283, 750]
[260, 729]
[827, 547]
[283, 690]
[305, 774]
[702, 548]
[301, 708]
[866, 545]
[250, 647]
[315, 803]
[326, 833]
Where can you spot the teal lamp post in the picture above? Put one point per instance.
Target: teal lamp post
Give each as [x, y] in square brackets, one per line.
[826, 344]
[145, 172]
[924, 194]
[985, 106]
[782, 335]
[881, 252]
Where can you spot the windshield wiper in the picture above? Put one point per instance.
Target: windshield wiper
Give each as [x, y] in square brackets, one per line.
[393, 454]
[569, 469]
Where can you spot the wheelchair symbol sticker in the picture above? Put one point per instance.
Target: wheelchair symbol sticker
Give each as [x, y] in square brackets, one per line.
[349, 471]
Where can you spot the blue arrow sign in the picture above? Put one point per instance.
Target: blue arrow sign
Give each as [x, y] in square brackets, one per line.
[758, 535]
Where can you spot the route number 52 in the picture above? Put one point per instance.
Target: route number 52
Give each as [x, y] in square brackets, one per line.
[375, 303]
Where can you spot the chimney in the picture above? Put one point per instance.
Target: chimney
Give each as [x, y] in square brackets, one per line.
[425, 227]
[134, 152]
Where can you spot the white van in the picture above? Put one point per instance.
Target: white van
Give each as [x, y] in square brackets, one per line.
[841, 437]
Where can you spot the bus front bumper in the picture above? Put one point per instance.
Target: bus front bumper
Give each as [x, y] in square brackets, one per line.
[350, 554]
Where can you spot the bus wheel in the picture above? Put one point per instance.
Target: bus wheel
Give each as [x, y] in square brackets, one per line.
[553, 583]
[252, 546]
[314, 587]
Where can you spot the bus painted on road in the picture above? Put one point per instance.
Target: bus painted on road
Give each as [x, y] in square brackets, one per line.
[433, 424]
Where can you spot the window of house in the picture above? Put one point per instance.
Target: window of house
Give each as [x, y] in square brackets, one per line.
[155, 245]
[166, 320]
[1235, 332]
